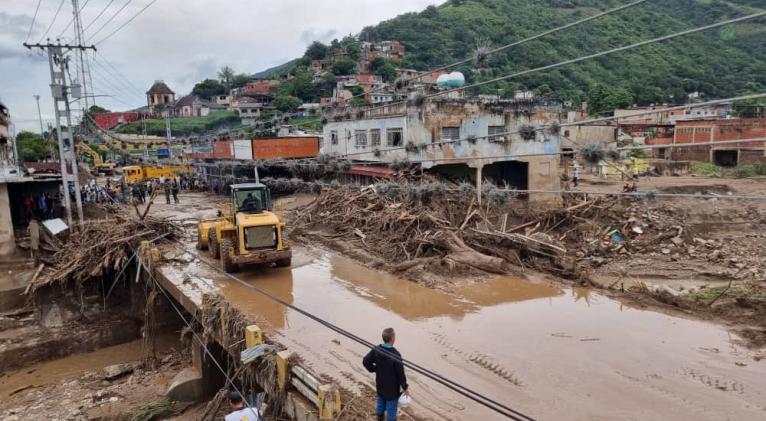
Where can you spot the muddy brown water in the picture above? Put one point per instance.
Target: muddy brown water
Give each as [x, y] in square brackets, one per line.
[548, 351]
[74, 366]
[551, 352]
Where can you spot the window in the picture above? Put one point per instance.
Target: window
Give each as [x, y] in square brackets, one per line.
[375, 137]
[496, 134]
[566, 133]
[450, 133]
[334, 137]
[394, 137]
[361, 138]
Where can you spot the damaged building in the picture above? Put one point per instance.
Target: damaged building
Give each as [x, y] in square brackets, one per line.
[460, 139]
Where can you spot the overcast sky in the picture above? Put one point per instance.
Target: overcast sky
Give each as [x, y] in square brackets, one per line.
[178, 41]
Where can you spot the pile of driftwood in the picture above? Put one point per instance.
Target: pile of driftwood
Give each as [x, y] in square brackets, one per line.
[450, 229]
[96, 248]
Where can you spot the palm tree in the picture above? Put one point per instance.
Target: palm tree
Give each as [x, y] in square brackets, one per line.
[226, 75]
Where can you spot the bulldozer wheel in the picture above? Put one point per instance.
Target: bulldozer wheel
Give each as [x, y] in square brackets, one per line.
[212, 244]
[200, 245]
[283, 263]
[227, 248]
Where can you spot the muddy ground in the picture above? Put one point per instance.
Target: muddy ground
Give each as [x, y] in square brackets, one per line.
[697, 256]
[698, 259]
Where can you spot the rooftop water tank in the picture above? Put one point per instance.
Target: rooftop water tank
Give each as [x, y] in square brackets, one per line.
[452, 80]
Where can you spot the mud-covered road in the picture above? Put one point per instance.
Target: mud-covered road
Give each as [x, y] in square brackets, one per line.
[547, 350]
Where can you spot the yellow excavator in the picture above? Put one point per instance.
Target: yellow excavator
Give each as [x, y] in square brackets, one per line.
[97, 164]
[246, 231]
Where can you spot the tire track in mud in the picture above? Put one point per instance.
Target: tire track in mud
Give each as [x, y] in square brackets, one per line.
[694, 407]
[480, 360]
[719, 383]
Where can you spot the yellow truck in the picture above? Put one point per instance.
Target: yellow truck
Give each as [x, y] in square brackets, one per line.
[137, 173]
[247, 231]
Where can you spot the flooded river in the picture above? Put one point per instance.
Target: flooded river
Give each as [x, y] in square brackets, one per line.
[551, 352]
[73, 366]
[548, 351]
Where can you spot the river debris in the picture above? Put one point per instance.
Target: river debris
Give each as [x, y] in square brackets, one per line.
[431, 228]
[99, 247]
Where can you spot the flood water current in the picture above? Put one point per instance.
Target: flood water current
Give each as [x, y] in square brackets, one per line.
[548, 351]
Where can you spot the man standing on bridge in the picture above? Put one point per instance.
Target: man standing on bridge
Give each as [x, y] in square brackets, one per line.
[390, 382]
[240, 411]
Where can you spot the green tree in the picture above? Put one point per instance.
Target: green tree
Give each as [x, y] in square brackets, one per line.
[302, 85]
[344, 67]
[316, 51]
[543, 91]
[239, 80]
[384, 68]
[208, 88]
[287, 103]
[226, 75]
[354, 51]
[32, 147]
[95, 109]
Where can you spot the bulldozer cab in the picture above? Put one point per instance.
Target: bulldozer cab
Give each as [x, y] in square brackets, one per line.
[251, 198]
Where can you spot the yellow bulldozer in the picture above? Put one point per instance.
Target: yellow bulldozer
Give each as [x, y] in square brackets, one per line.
[246, 231]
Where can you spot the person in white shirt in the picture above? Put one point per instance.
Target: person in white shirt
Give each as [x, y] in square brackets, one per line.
[240, 411]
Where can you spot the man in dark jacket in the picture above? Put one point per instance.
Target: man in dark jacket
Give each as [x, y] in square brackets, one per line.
[390, 382]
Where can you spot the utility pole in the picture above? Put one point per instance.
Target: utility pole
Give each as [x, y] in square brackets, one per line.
[168, 134]
[84, 65]
[39, 115]
[60, 93]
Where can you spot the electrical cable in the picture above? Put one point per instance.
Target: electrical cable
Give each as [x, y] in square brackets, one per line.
[61, 4]
[108, 21]
[189, 326]
[454, 386]
[126, 23]
[607, 52]
[116, 82]
[97, 16]
[587, 57]
[514, 44]
[34, 18]
[580, 123]
[120, 74]
[72, 20]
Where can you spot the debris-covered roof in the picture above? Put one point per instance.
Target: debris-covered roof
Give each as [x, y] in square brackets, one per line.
[160, 87]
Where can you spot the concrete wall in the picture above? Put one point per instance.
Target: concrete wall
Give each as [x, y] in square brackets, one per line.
[422, 125]
[7, 238]
[584, 135]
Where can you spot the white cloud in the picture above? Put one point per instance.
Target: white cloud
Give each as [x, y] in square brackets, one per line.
[179, 41]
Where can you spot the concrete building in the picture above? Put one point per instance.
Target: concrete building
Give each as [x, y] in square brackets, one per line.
[160, 95]
[719, 130]
[249, 113]
[381, 134]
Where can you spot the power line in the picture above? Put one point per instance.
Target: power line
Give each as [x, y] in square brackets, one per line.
[34, 18]
[72, 20]
[587, 57]
[98, 16]
[604, 53]
[452, 385]
[577, 123]
[516, 43]
[108, 21]
[61, 4]
[119, 73]
[105, 80]
[198, 339]
[115, 82]
[126, 23]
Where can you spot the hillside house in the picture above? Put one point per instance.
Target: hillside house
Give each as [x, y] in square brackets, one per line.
[160, 95]
[366, 133]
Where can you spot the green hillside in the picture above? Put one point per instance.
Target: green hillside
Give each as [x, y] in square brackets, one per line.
[720, 63]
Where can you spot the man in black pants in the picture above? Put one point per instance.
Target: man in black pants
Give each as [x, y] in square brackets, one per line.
[390, 382]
